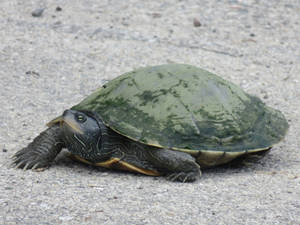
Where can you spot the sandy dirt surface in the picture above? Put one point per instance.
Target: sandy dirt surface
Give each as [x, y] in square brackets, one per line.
[50, 61]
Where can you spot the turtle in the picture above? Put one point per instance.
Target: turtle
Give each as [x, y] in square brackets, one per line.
[167, 120]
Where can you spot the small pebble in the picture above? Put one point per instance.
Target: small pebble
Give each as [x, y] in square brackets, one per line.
[156, 15]
[57, 23]
[38, 12]
[4, 150]
[196, 23]
[58, 9]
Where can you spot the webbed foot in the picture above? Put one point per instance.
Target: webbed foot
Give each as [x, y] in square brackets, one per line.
[41, 152]
[178, 166]
[184, 177]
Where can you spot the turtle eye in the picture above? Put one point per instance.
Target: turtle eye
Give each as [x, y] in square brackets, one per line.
[80, 118]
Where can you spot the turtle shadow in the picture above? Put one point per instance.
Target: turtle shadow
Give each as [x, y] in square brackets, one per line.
[243, 164]
[64, 159]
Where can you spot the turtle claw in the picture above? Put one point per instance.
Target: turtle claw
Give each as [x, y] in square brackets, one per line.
[41, 151]
[174, 176]
[18, 165]
[28, 161]
[35, 166]
[26, 166]
[184, 176]
[40, 169]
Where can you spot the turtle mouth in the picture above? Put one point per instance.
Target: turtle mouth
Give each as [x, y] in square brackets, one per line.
[71, 125]
[66, 121]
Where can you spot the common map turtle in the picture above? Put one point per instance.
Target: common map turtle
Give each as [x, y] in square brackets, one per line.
[160, 120]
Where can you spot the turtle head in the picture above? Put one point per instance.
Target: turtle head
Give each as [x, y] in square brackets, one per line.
[84, 134]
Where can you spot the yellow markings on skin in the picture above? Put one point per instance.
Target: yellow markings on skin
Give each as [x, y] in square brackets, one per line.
[66, 120]
[78, 139]
[116, 163]
[74, 126]
[78, 158]
[54, 121]
[108, 164]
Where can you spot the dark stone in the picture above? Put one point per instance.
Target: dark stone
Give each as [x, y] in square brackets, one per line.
[38, 12]
[196, 23]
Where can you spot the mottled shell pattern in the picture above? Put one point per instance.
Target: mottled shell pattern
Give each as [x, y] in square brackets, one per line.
[185, 108]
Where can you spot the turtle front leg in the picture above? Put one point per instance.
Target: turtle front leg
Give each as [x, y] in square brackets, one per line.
[41, 151]
[178, 166]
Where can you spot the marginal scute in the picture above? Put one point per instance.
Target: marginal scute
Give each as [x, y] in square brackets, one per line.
[182, 107]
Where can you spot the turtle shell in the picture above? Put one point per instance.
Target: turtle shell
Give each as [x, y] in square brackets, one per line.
[182, 107]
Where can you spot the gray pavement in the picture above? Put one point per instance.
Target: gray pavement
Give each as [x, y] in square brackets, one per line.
[51, 61]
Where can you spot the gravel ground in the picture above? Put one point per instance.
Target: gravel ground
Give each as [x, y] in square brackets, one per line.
[54, 54]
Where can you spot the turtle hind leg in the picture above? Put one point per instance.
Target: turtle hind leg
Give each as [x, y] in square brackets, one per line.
[177, 166]
[41, 151]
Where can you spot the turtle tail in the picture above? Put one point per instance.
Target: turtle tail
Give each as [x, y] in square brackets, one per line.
[42, 151]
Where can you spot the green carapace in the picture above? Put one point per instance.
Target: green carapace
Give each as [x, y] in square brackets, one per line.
[161, 120]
